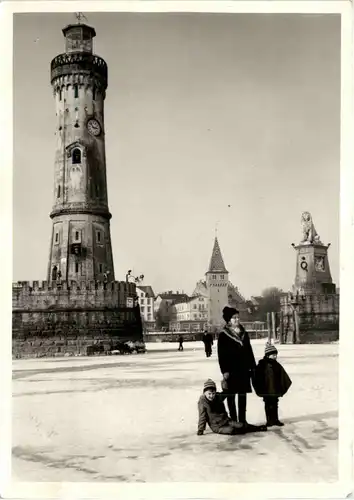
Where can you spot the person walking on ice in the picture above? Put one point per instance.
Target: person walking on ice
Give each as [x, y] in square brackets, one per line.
[271, 382]
[212, 411]
[180, 340]
[208, 343]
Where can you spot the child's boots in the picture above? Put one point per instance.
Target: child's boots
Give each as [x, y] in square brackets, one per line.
[268, 416]
[276, 417]
[273, 415]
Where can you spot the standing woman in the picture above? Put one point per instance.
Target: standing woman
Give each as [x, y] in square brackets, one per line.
[236, 360]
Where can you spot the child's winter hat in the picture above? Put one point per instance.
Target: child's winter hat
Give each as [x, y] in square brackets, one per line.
[209, 384]
[228, 312]
[270, 349]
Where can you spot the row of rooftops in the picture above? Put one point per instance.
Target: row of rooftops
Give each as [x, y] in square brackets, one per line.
[178, 297]
[169, 295]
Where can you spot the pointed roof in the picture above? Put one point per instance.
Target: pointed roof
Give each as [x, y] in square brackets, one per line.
[147, 289]
[216, 261]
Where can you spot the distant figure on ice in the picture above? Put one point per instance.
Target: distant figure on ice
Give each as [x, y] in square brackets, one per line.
[212, 411]
[208, 342]
[237, 363]
[180, 340]
[271, 382]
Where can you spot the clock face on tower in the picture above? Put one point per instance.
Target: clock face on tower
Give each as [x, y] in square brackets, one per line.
[94, 127]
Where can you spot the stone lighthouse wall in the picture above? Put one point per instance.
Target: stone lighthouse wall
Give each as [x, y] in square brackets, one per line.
[51, 319]
[318, 318]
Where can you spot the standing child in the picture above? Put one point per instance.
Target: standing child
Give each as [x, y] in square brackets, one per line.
[271, 382]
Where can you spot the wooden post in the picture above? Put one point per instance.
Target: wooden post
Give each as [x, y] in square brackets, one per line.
[269, 326]
[274, 329]
[297, 327]
[281, 327]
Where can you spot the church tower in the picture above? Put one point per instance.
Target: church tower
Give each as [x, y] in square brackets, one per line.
[80, 246]
[217, 279]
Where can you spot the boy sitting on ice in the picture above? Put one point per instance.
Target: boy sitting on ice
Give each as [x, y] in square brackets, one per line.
[212, 412]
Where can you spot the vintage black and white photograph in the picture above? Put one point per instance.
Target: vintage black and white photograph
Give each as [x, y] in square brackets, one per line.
[176, 257]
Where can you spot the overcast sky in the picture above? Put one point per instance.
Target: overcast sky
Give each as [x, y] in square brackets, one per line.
[209, 117]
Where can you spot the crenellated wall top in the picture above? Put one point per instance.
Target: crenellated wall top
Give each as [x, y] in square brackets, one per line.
[79, 62]
[293, 299]
[49, 286]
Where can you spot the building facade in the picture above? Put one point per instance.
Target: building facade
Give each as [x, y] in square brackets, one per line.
[190, 315]
[163, 307]
[146, 298]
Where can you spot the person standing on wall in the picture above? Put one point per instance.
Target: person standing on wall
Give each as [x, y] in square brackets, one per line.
[237, 363]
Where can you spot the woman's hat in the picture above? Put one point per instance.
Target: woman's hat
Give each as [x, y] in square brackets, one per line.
[270, 349]
[209, 384]
[228, 312]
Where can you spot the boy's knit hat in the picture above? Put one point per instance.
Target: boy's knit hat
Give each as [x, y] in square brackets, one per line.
[209, 384]
[228, 312]
[270, 349]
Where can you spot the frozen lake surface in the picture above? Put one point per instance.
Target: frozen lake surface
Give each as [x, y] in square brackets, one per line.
[134, 418]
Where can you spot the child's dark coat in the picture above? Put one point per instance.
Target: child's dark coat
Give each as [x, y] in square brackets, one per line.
[270, 378]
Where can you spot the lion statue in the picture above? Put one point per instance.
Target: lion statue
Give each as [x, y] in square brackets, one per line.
[309, 232]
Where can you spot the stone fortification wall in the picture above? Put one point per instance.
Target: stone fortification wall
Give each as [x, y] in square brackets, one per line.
[317, 315]
[50, 319]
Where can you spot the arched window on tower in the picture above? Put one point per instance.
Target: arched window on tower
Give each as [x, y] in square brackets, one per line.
[58, 192]
[76, 156]
[76, 91]
[60, 94]
[54, 273]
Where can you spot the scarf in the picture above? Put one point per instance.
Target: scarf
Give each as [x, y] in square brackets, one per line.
[235, 334]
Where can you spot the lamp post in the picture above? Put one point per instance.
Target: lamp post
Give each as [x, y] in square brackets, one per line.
[134, 301]
[137, 279]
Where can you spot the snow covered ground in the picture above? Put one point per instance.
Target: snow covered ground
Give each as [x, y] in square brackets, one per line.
[134, 418]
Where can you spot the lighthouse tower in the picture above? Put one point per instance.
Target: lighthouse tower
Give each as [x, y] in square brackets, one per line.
[80, 248]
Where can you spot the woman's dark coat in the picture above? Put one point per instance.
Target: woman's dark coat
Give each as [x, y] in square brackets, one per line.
[237, 359]
[271, 379]
[208, 339]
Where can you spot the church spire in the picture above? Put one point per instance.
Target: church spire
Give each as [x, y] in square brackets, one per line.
[216, 261]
